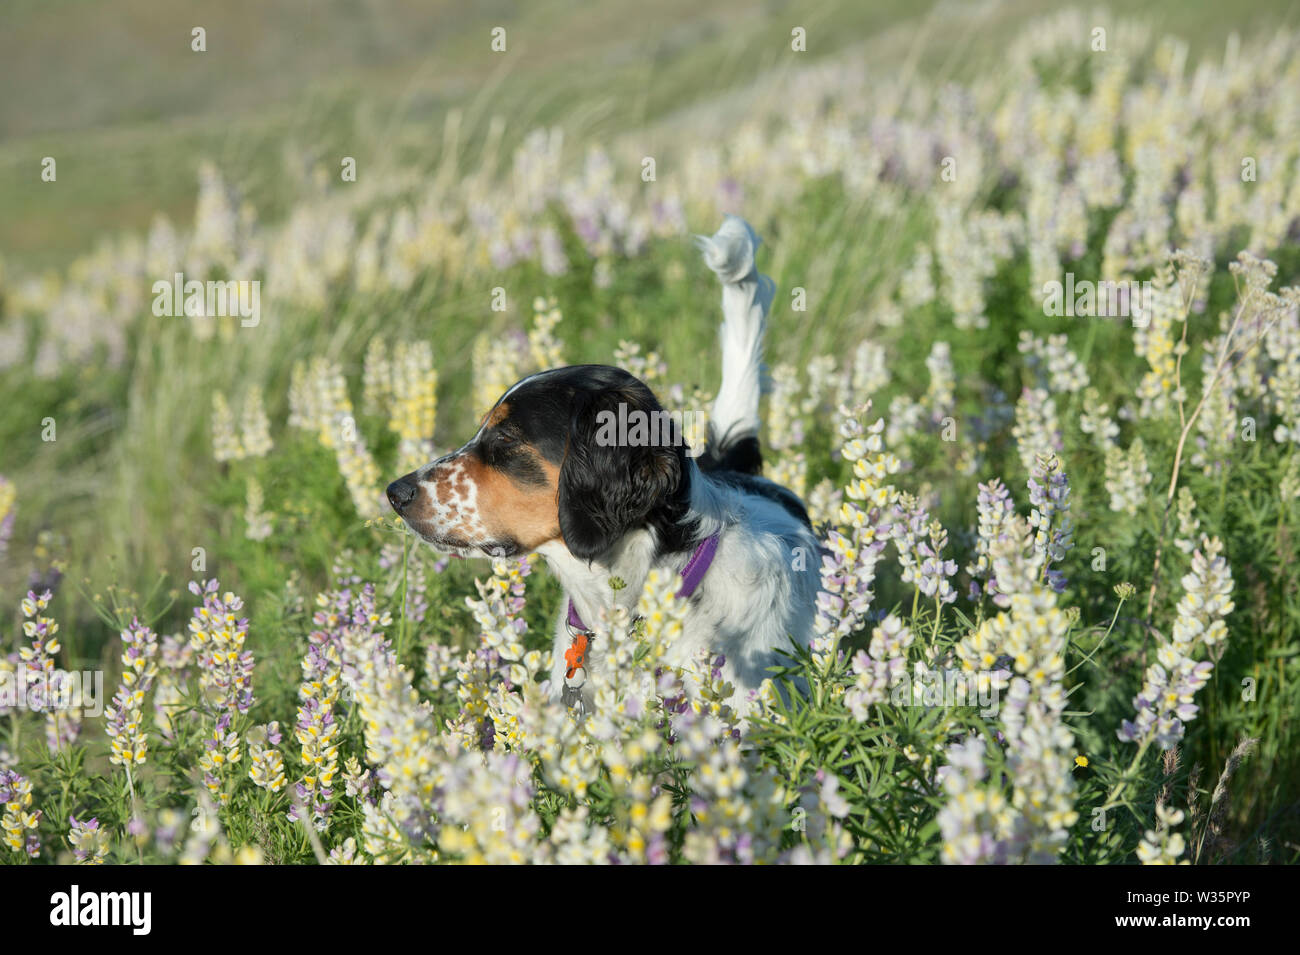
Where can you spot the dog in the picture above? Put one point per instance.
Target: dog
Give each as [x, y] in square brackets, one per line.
[538, 477]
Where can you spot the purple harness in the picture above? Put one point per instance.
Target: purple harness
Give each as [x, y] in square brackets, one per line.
[692, 574]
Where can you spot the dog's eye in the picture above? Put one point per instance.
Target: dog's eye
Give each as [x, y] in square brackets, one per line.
[504, 439]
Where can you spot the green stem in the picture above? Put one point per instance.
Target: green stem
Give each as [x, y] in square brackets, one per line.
[401, 626]
[1124, 777]
[1103, 639]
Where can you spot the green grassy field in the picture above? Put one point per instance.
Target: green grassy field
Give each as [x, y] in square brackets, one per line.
[835, 154]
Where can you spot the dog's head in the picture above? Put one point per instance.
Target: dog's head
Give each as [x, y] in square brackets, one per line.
[579, 455]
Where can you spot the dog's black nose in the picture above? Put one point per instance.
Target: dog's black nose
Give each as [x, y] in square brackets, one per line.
[400, 493]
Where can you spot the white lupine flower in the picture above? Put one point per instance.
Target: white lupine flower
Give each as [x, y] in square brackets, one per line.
[226, 445]
[1162, 846]
[253, 424]
[1127, 477]
[1037, 431]
[1030, 634]
[1164, 704]
[258, 523]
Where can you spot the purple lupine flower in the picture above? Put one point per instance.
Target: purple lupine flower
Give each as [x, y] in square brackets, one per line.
[89, 842]
[217, 635]
[1049, 495]
[1164, 704]
[995, 510]
[18, 827]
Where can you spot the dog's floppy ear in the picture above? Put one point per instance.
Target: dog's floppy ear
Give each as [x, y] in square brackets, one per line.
[609, 485]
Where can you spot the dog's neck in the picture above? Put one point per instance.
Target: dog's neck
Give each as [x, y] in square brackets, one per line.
[587, 584]
[631, 559]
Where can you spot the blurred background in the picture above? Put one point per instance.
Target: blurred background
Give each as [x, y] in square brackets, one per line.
[112, 89]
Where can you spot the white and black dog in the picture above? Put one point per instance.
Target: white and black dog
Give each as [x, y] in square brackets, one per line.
[538, 477]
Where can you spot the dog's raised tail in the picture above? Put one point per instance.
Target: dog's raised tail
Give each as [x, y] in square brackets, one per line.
[746, 297]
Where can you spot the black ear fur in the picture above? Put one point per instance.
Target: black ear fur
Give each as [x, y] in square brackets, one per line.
[606, 490]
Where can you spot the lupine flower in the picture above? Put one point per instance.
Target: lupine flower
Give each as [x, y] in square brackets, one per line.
[1037, 432]
[226, 445]
[340, 614]
[649, 368]
[205, 832]
[497, 364]
[168, 829]
[128, 739]
[916, 285]
[1288, 487]
[879, 668]
[1127, 477]
[51, 691]
[906, 420]
[824, 502]
[1057, 365]
[257, 521]
[1163, 846]
[1154, 340]
[849, 570]
[1188, 522]
[8, 677]
[866, 377]
[487, 676]
[413, 402]
[785, 427]
[486, 810]
[63, 713]
[995, 511]
[1164, 705]
[940, 398]
[7, 510]
[545, 349]
[267, 764]
[976, 820]
[739, 809]
[1095, 420]
[377, 378]
[20, 821]
[302, 410]
[345, 854]
[576, 841]
[319, 402]
[693, 409]
[960, 256]
[358, 467]
[920, 544]
[254, 427]
[1031, 634]
[43, 631]
[1049, 495]
[1216, 428]
[168, 699]
[402, 743]
[88, 840]
[216, 223]
[221, 753]
[357, 782]
[217, 636]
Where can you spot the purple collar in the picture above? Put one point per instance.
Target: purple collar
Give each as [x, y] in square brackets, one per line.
[692, 575]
